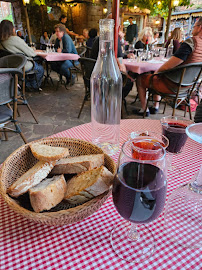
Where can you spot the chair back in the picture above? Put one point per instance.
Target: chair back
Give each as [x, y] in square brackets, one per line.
[6, 87]
[81, 51]
[87, 66]
[13, 61]
[191, 74]
[4, 53]
[9, 66]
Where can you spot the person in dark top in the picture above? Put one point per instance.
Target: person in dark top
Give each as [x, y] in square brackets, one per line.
[176, 36]
[189, 52]
[63, 20]
[144, 37]
[129, 83]
[63, 44]
[95, 49]
[198, 114]
[132, 31]
[92, 36]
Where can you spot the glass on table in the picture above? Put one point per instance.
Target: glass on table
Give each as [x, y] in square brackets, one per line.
[155, 137]
[183, 213]
[174, 128]
[139, 193]
[162, 53]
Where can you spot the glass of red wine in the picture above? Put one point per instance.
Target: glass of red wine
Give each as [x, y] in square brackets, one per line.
[183, 213]
[174, 128]
[139, 194]
[155, 137]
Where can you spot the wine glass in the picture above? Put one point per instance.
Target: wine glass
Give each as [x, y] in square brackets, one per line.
[162, 53]
[183, 213]
[155, 137]
[139, 193]
[174, 128]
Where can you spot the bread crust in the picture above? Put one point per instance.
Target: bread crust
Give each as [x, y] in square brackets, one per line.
[31, 178]
[46, 153]
[48, 193]
[79, 190]
[75, 165]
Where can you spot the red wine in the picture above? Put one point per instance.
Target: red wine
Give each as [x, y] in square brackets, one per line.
[175, 132]
[139, 192]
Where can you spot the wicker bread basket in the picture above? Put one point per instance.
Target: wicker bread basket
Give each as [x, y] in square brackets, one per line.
[22, 160]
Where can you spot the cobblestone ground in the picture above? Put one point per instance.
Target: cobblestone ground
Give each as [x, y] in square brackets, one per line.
[58, 111]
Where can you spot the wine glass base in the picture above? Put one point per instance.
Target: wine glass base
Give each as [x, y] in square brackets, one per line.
[183, 219]
[135, 251]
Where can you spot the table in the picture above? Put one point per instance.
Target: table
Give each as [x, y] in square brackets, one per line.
[142, 67]
[52, 57]
[86, 244]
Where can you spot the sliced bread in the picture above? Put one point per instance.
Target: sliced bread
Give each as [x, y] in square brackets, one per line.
[48, 153]
[72, 165]
[48, 193]
[31, 178]
[87, 185]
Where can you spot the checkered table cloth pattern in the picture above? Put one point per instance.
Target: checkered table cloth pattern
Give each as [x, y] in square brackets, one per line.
[86, 244]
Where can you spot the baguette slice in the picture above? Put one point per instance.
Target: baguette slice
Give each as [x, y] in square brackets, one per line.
[71, 165]
[48, 153]
[31, 178]
[48, 193]
[88, 185]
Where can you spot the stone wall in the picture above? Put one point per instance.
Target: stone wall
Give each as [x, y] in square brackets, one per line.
[80, 16]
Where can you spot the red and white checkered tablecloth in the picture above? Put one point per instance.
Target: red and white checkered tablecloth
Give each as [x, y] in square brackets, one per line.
[86, 244]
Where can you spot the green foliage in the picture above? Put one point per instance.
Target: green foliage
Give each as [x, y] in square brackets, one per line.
[154, 6]
[37, 2]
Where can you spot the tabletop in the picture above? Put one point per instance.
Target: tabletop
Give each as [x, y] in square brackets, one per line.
[54, 56]
[144, 66]
[86, 244]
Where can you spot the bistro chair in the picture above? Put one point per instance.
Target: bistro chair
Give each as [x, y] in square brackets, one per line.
[29, 75]
[185, 77]
[87, 66]
[8, 94]
[77, 69]
[18, 61]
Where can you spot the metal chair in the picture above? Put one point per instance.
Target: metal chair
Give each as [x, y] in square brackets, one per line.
[87, 65]
[18, 61]
[8, 94]
[185, 77]
[77, 69]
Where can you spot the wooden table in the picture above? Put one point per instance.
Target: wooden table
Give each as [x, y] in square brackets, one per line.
[86, 244]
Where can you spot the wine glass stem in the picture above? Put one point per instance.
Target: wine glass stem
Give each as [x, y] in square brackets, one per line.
[169, 157]
[133, 234]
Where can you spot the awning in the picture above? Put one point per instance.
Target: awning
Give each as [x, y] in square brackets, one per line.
[186, 14]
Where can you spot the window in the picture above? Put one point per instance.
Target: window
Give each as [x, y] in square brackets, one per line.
[6, 11]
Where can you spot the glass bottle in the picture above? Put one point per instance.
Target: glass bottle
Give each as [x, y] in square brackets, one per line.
[106, 92]
[170, 49]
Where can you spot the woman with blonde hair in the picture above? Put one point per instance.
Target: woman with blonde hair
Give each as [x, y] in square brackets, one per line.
[144, 38]
[176, 36]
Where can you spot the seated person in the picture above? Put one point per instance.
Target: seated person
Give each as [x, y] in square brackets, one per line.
[85, 34]
[53, 38]
[44, 39]
[64, 44]
[198, 114]
[155, 39]
[19, 34]
[189, 52]
[176, 36]
[92, 36]
[144, 38]
[14, 44]
[94, 54]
